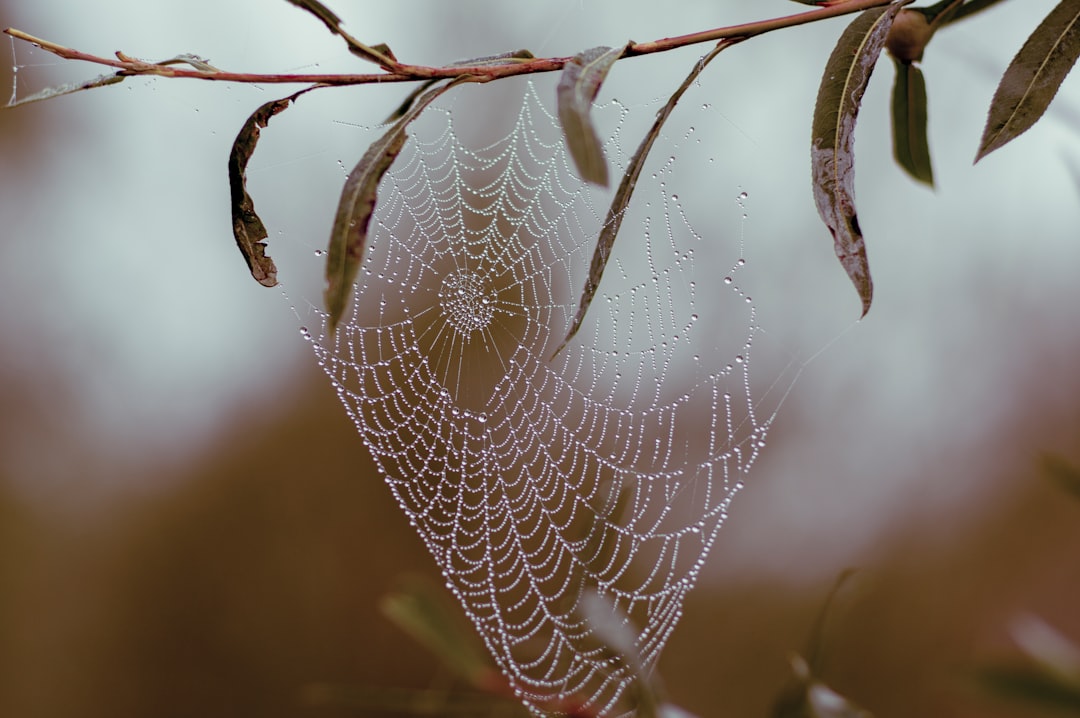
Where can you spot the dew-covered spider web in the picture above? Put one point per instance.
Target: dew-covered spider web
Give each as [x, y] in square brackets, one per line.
[535, 480]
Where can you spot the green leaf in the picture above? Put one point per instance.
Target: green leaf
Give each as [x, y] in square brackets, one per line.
[846, 76]
[578, 86]
[610, 229]
[50, 92]
[424, 612]
[911, 148]
[1033, 78]
[248, 228]
[349, 233]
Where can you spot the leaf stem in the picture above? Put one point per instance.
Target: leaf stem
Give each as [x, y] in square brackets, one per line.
[402, 72]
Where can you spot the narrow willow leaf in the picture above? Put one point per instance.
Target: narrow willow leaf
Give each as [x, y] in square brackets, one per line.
[248, 228]
[610, 229]
[50, 92]
[379, 54]
[847, 74]
[422, 610]
[911, 148]
[348, 236]
[580, 82]
[500, 59]
[1033, 78]
[971, 8]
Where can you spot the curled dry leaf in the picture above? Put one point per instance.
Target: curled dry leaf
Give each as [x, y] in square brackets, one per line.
[847, 74]
[248, 228]
[610, 229]
[379, 54]
[578, 86]
[50, 92]
[911, 147]
[348, 236]
[1033, 78]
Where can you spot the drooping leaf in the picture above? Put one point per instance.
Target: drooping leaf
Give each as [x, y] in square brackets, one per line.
[423, 611]
[500, 59]
[1033, 77]
[911, 148]
[578, 86]
[613, 221]
[847, 74]
[379, 54]
[50, 92]
[348, 236]
[248, 228]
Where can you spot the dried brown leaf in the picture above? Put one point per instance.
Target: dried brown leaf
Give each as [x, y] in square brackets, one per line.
[846, 76]
[248, 228]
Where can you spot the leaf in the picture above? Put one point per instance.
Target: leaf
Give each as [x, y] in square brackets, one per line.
[911, 149]
[195, 61]
[1033, 77]
[349, 233]
[420, 609]
[500, 59]
[248, 228]
[833, 138]
[610, 229]
[379, 54]
[808, 697]
[971, 8]
[50, 92]
[578, 86]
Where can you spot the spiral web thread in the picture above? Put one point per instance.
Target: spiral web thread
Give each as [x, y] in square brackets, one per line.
[534, 480]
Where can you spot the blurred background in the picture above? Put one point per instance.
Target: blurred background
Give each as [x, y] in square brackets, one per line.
[190, 525]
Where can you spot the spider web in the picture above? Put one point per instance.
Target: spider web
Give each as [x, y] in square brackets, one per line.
[537, 480]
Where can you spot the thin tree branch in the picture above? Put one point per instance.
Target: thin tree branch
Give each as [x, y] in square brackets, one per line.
[129, 66]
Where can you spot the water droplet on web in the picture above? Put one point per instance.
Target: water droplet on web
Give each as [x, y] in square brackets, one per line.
[320, 252]
[728, 280]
